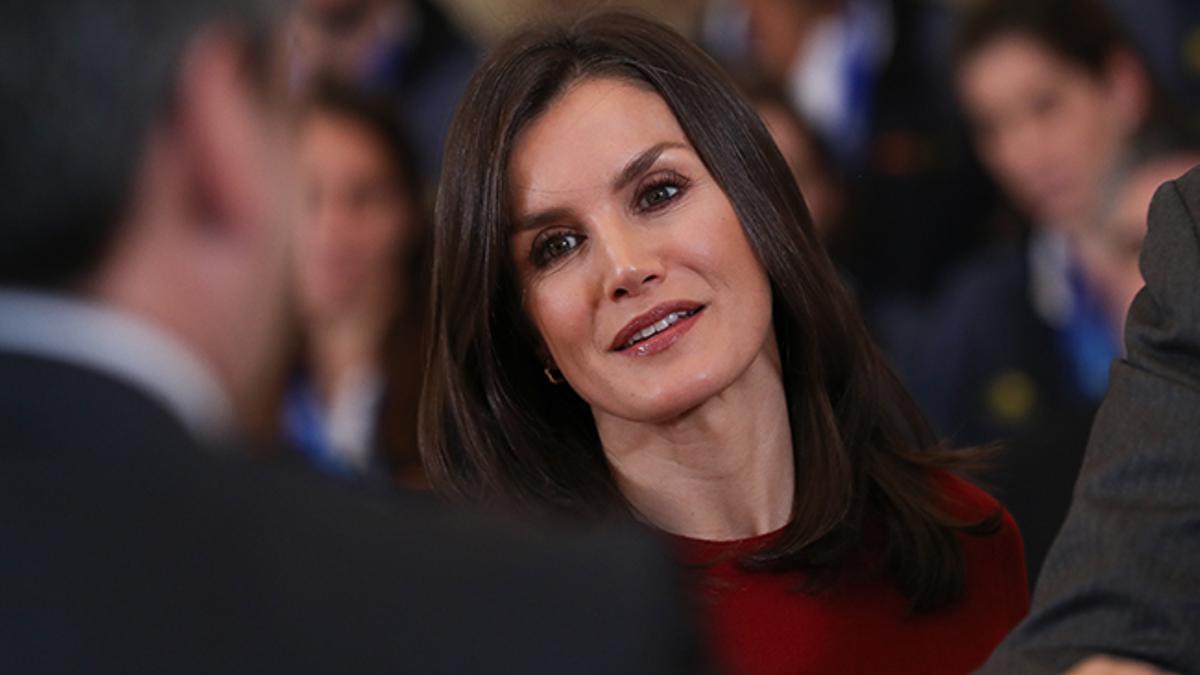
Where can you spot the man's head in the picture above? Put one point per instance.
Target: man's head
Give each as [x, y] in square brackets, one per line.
[139, 159]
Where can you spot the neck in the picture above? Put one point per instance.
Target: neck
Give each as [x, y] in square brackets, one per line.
[338, 351]
[721, 471]
[345, 343]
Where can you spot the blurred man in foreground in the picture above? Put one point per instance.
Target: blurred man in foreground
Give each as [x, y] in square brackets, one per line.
[141, 259]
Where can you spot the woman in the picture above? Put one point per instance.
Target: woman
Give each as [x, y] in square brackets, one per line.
[632, 313]
[360, 279]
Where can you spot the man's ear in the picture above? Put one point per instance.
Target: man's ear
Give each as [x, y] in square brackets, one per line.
[1129, 88]
[218, 127]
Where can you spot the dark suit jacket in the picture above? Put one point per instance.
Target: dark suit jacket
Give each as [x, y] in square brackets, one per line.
[1123, 577]
[987, 368]
[126, 547]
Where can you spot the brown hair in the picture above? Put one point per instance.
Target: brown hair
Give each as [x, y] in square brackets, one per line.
[402, 353]
[493, 429]
[1081, 32]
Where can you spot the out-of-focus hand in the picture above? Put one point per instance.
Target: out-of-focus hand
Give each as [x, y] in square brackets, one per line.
[1107, 665]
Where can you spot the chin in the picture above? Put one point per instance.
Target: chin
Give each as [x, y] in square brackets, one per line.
[668, 403]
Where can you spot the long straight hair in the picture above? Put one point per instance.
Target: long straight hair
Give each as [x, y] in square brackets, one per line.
[494, 430]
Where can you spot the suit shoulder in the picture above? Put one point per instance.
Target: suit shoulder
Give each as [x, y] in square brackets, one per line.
[1190, 181]
[1183, 191]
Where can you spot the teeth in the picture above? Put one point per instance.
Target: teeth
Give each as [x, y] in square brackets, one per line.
[661, 325]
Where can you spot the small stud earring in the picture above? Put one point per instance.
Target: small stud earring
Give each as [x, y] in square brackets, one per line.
[553, 374]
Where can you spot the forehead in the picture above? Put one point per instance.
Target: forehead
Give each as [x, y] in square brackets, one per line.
[332, 139]
[585, 137]
[1010, 61]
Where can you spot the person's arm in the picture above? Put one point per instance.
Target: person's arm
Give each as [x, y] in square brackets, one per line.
[1123, 578]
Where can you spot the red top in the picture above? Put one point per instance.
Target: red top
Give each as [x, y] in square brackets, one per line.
[760, 625]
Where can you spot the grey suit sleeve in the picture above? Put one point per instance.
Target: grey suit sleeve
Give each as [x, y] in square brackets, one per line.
[1123, 576]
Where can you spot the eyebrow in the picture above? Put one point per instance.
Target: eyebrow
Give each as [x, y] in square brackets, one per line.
[634, 168]
[542, 218]
[642, 163]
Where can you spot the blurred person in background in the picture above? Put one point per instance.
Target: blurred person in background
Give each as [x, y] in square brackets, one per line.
[633, 317]
[828, 55]
[360, 278]
[143, 263]
[1112, 242]
[1017, 346]
[871, 78]
[809, 159]
[407, 51]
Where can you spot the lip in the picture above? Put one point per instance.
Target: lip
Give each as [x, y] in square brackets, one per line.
[651, 317]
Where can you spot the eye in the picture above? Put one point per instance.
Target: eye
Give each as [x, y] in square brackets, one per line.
[661, 192]
[552, 245]
[1044, 103]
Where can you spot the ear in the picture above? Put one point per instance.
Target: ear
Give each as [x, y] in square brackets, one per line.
[220, 133]
[1129, 88]
[541, 350]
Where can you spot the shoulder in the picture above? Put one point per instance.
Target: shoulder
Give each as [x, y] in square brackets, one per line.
[1174, 219]
[994, 270]
[497, 584]
[1189, 184]
[1164, 320]
[964, 500]
[995, 557]
[1003, 544]
[989, 288]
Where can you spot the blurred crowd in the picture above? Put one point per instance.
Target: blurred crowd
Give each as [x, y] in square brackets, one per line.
[980, 173]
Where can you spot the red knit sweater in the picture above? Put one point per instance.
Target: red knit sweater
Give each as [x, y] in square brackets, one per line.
[760, 625]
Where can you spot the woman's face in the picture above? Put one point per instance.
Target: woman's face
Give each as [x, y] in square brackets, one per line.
[355, 220]
[1049, 131]
[633, 266]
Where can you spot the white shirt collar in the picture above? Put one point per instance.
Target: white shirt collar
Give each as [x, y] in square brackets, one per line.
[122, 346]
[1050, 276]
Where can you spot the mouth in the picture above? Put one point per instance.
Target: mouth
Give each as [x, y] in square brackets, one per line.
[657, 328]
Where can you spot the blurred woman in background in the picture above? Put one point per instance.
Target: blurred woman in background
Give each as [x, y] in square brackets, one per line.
[633, 315]
[360, 278]
[811, 162]
[1017, 346]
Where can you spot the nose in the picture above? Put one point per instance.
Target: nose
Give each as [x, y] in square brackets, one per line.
[631, 264]
[1023, 149]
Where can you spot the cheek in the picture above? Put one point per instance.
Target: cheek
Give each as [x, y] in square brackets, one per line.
[727, 252]
[558, 310]
[1084, 129]
[1003, 152]
[382, 239]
